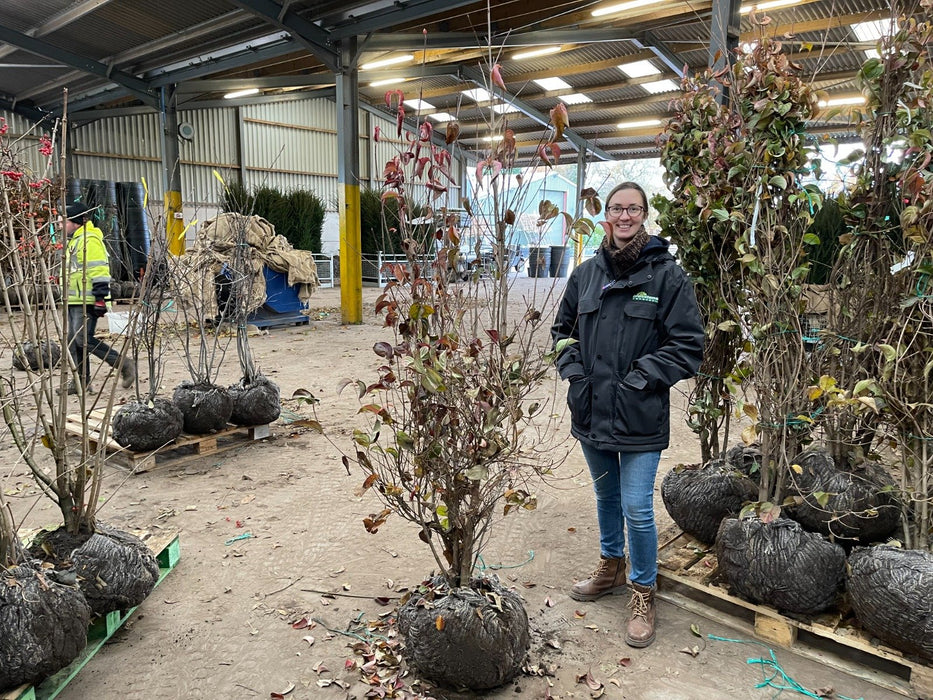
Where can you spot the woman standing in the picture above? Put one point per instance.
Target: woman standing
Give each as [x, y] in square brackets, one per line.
[628, 328]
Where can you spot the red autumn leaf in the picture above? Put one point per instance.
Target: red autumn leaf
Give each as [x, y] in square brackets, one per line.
[452, 132]
[496, 75]
[377, 132]
[300, 624]
[560, 119]
[625, 661]
[425, 130]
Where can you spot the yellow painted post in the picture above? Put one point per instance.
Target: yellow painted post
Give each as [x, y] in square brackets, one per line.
[351, 262]
[174, 223]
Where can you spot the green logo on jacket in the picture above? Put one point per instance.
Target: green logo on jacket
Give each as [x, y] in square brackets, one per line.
[644, 296]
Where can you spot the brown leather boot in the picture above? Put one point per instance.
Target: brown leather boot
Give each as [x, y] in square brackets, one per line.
[640, 632]
[609, 578]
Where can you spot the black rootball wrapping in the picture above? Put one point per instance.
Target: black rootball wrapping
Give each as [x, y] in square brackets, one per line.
[699, 498]
[206, 407]
[891, 590]
[480, 646]
[255, 403]
[43, 625]
[780, 564]
[861, 502]
[28, 355]
[141, 428]
[115, 570]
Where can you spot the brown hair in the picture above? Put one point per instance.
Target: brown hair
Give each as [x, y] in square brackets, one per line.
[630, 186]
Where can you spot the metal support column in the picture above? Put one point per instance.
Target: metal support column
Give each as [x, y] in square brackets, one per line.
[348, 184]
[171, 173]
[725, 30]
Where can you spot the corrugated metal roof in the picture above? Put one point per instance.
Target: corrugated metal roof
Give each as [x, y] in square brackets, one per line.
[126, 49]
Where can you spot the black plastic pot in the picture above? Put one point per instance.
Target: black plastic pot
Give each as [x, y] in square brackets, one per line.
[891, 590]
[140, 427]
[479, 644]
[255, 403]
[780, 564]
[206, 408]
[43, 624]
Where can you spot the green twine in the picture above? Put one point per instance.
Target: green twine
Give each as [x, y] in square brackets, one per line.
[481, 564]
[777, 671]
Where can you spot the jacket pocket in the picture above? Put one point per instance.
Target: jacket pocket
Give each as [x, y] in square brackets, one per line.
[639, 413]
[579, 399]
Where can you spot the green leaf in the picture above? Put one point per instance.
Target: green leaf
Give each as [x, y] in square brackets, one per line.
[811, 239]
[890, 354]
[721, 214]
[695, 629]
[441, 512]
[778, 181]
[477, 473]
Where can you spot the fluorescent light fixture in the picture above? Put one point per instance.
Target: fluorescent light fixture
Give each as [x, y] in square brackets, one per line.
[543, 51]
[575, 98]
[769, 5]
[639, 123]
[441, 117]
[492, 139]
[504, 107]
[402, 58]
[553, 84]
[843, 101]
[241, 93]
[872, 31]
[639, 69]
[420, 105]
[390, 81]
[659, 86]
[622, 7]
[478, 94]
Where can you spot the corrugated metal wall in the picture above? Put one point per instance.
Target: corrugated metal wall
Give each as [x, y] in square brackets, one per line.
[24, 139]
[287, 145]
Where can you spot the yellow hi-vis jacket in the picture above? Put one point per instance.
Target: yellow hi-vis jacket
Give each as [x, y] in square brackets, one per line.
[88, 266]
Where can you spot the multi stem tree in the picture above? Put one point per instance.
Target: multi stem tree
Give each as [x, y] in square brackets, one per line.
[456, 406]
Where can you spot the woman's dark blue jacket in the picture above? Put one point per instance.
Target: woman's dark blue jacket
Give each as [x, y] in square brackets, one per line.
[637, 337]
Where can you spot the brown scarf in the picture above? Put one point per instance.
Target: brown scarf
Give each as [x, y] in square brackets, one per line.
[621, 259]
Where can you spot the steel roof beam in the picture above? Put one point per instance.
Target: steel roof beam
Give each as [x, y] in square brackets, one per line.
[578, 141]
[139, 88]
[400, 13]
[269, 82]
[318, 41]
[58, 21]
[459, 40]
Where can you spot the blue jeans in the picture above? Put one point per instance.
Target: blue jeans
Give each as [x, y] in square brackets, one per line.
[624, 486]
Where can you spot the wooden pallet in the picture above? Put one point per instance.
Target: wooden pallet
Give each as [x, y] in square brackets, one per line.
[184, 449]
[689, 578]
[167, 549]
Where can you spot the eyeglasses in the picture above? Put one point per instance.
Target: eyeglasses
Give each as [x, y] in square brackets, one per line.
[616, 210]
